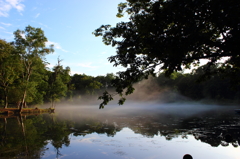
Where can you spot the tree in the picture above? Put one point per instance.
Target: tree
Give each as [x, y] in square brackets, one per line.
[58, 82]
[85, 85]
[30, 44]
[36, 88]
[9, 68]
[172, 35]
[105, 80]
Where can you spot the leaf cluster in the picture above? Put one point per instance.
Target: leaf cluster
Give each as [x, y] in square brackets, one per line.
[172, 35]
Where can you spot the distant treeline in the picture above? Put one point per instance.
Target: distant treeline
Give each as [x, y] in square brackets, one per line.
[50, 86]
[217, 87]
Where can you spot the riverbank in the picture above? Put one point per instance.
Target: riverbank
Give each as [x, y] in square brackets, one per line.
[15, 111]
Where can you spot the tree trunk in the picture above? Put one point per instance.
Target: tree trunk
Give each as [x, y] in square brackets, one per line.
[5, 98]
[25, 89]
[5, 101]
[23, 101]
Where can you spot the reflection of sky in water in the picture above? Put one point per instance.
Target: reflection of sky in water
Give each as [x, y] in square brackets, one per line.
[128, 145]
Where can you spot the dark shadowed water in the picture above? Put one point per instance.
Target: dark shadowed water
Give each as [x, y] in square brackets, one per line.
[132, 131]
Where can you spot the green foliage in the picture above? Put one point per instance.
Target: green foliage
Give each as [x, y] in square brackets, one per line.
[10, 67]
[173, 35]
[58, 81]
[85, 84]
[31, 42]
[24, 77]
[106, 97]
[30, 46]
[217, 88]
[89, 86]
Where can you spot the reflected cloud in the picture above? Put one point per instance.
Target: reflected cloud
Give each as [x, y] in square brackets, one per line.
[48, 153]
[88, 140]
[105, 153]
[120, 153]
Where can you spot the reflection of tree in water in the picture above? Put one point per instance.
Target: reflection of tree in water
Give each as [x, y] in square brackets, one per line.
[209, 127]
[59, 143]
[18, 141]
[91, 125]
[27, 137]
[214, 128]
[3, 128]
[88, 123]
[59, 135]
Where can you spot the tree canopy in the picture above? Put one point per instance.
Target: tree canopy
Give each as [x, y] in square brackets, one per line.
[30, 44]
[172, 35]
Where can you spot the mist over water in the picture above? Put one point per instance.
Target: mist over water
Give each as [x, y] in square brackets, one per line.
[153, 123]
[148, 98]
[183, 126]
[144, 127]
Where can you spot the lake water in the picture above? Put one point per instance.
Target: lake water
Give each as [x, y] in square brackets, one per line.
[132, 131]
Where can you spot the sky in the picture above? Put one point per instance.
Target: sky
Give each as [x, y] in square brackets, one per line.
[68, 24]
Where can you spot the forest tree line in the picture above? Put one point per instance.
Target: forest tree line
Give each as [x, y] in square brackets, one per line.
[216, 87]
[45, 85]
[25, 78]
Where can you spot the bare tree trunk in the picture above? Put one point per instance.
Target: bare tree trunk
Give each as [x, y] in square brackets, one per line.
[52, 102]
[5, 98]
[18, 104]
[23, 101]
[5, 101]
[28, 66]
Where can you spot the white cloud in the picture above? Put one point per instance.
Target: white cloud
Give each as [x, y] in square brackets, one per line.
[34, 8]
[37, 15]
[6, 24]
[2, 28]
[86, 64]
[75, 72]
[23, 35]
[7, 5]
[8, 32]
[16, 4]
[50, 65]
[56, 46]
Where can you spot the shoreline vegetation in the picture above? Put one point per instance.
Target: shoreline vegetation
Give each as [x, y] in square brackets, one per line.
[27, 111]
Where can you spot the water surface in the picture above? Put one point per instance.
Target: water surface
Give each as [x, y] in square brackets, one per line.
[140, 131]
